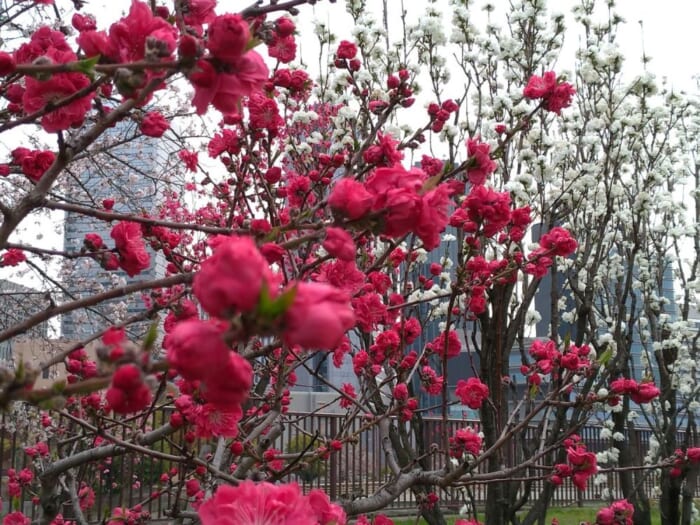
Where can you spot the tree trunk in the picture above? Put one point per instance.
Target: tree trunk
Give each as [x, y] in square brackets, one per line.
[669, 503]
[691, 481]
[631, 482]
[433, 515]
[494, 418]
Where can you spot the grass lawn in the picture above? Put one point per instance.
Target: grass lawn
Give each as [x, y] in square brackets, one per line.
[566, 516]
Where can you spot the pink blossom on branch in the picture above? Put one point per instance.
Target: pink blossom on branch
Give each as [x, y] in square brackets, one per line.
[263, 503]
[128, 393]
[12, 257]
[222, 86]
[154, 124]
[318, 317]
[555, 95]
[231, 279]
[339, 243]
[128, 240]
[472, 392]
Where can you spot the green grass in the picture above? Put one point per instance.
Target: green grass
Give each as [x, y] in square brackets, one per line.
[565, 515]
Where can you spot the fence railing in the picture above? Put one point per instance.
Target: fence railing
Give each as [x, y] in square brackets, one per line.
[357, 470]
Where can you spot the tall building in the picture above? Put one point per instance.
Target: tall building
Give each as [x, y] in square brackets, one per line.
[18, 303]
[132, 172]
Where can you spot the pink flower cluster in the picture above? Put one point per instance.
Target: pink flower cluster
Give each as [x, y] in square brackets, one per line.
[230, 71]
[581, 464]
[133, 516]
[621, 512]
[33, 163]
[440, 113]
[12, 257]
[128, 240]
[555, 95]
[481, 165]
[472, 392]
[197, 350]
[16, 518]
[449, 346]
[41, 449]
[49, 46]
[682, 458]
[398, 198]
[128, 392]
[80, 366]
[208, 419]
[252, 503]
[549, 360]
[486, 212]
[345, 56]
[465, 441]
[18, 480]
[640, 393]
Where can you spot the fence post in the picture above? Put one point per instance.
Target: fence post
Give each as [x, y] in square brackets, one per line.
[333, 489]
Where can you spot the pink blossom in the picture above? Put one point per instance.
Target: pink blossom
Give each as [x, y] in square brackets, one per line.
[326, 512]
[401, 392]
[252, 503]
[339, 243]
[231, 279]
[227, 37]
[35, 163]
[83, 22]
[349, 198]
[693, 454]
[12, 257]
[214, 421]
[283, 49]
[129, 37]
[128, 392]
[7, 63]
[40, 93]
[154, 124]
[433, 216]
[229, 384]
[346, 50]
[480, 163]
[555, 95]
[451, 347]
[128, 240]
[16, 518]
[199, 12]
[319, 316]
[224, 88]
[465, 441]
[196, 348]
[558, 241]
[472, 392]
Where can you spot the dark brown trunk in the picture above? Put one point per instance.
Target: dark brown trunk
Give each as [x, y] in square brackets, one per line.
[631, 481]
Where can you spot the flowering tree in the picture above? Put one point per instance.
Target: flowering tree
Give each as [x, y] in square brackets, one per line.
[314, 231]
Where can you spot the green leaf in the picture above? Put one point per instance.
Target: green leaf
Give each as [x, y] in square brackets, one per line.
[253, 43]
[59, 386]
[150, 339]
[533, 391]
[270, 308]
[87, 66]
[605, 357]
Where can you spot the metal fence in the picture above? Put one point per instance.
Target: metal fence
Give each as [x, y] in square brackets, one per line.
[357, 470]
